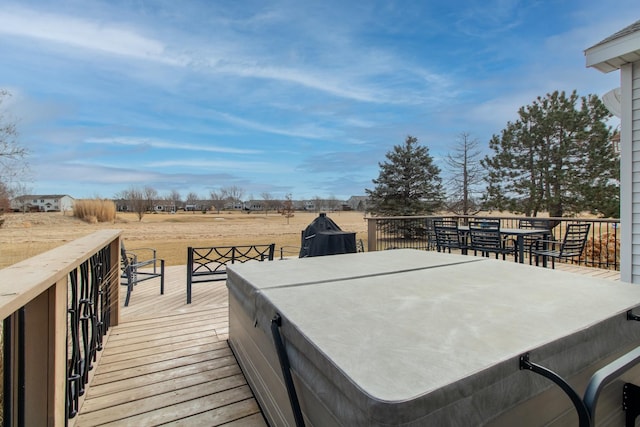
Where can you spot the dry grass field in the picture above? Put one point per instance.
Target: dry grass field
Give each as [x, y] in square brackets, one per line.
[27, 234]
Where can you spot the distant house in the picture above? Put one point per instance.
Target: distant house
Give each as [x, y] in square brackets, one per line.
[256, 205]
[42, 203]
[621, 52]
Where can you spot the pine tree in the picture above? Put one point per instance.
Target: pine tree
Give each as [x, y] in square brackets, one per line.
[409, 182]
[555, 158]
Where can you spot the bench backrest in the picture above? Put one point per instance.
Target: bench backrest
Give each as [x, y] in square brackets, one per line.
[209, 264]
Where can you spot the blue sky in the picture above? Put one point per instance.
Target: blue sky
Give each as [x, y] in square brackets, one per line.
[279, 97]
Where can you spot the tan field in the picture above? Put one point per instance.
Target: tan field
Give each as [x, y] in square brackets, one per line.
[27, 234]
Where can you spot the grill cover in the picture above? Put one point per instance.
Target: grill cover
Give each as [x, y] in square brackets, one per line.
[324, 237]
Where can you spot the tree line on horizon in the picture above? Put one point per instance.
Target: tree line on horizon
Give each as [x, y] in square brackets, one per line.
[556, 158]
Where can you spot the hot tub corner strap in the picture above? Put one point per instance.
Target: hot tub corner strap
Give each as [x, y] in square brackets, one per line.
[586, 406]
[583, 413]
[276, 322]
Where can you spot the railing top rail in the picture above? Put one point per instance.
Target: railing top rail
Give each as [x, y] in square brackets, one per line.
[551, 218]
[510, 217]
[25, 280]
[406, 217]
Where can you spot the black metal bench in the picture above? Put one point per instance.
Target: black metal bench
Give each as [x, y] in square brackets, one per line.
[209, 264]
[138, 265]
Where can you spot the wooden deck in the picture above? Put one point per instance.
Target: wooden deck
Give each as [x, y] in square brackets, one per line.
[168, 363]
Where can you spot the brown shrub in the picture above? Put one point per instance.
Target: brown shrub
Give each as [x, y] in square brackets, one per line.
[95, 210]
[604, 249]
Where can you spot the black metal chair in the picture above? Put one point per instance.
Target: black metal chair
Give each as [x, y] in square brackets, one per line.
[486, 238]
[448, 235]
[531, 223]
[571, 246]
[430, 233]
[138, 265]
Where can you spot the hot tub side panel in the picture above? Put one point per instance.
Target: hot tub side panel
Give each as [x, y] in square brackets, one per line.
[255, 351]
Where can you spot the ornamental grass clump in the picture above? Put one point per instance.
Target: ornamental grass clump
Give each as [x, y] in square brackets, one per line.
[95, 210]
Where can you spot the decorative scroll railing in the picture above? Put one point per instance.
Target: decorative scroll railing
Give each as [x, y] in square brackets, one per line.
[602, 249]
[57, 308]
[90, 300]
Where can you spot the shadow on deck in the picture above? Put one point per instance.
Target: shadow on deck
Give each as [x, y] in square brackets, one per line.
[168, 363]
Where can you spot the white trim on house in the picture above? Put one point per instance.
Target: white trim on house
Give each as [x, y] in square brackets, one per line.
[621, 51]
[615, 51]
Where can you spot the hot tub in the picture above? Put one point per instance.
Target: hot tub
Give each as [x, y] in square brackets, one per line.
[412, 338]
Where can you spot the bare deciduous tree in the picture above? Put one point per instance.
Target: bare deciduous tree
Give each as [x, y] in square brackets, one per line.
[218, 199]
[466, 175]
[233, 194]
[268, 202]
[137, 200]
[287, 207]
[13, 166]
[151, 196]
[175, 199]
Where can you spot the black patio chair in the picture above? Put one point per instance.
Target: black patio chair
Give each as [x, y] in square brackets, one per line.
[571, 246]
[138, 265]
[486, 238]
[531, 223]
[448, 236]
[430, 233]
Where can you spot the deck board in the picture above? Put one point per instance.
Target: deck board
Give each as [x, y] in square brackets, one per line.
[169, 362]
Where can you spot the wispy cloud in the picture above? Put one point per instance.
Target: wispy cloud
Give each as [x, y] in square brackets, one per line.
[155, 143]
[349, 79]
[82, 33]
[310, 131]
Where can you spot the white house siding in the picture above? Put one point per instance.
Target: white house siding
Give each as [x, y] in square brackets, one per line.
[631, 76]
[621, 51]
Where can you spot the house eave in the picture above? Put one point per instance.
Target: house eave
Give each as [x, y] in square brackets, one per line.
[613, 54]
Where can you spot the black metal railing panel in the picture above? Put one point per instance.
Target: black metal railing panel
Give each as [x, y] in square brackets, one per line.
[88, 321]
[602, 249]
[406, 232]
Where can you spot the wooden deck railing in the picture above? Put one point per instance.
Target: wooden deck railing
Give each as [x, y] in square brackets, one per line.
[602, 249]
[56, 307]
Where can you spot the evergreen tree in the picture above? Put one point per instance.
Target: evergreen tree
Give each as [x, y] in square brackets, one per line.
[555, 158]
[409, 182]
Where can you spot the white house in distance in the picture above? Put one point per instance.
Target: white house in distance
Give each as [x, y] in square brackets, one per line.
[621, 51]
[42, 203]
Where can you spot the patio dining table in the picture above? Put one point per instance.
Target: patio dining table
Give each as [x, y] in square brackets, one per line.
[519, 233]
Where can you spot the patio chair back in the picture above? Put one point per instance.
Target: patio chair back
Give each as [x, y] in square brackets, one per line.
[531, 223]
[486, 238]
[574, 240]
[484, 235]
[571, 246]
[430, 233]
[534, 223]
[447, 235]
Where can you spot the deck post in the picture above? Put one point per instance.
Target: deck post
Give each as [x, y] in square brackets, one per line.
[114, 284]
[44, 332]
[372, 243]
